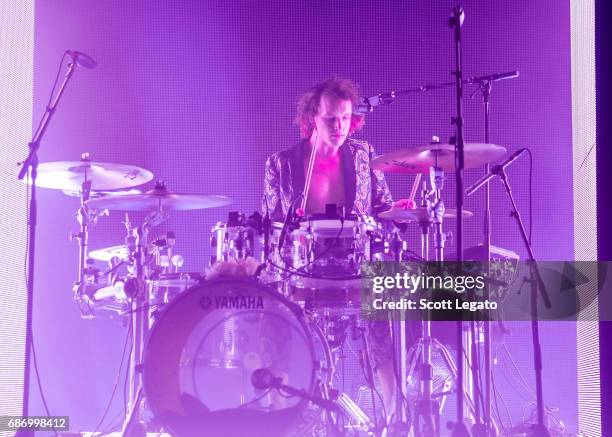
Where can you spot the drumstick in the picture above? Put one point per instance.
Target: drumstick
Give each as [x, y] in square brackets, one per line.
[415, 187]
[309, 175]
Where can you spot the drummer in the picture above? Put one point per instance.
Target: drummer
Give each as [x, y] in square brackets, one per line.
[341, 175]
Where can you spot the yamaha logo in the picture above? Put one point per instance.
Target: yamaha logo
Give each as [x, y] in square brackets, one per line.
[232, 302]
[205, 302]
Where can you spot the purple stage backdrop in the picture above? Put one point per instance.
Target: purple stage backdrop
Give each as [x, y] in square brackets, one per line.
[200, 93]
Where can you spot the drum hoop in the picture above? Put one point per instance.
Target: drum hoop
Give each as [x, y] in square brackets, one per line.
[150, 362]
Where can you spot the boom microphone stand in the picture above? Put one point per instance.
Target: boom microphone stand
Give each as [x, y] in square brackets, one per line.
[537, 284]
[485, 84]
[456, 21]
[31, 164]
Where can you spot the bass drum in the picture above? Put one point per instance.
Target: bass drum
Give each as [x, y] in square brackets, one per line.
[203, 350]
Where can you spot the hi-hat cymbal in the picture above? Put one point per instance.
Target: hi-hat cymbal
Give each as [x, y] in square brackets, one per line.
[70, 175]
[419, 159]
[418, 215]
[107, 253]
[159, 199]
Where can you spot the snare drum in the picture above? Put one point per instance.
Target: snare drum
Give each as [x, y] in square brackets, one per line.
[322, 258]
[206, 346]
[332, 248]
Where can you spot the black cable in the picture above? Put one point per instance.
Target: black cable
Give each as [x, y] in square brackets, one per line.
[288, 218]
[126, 384]
[286, 396]
[495, 413]
[115, 423]
[367, 372]
[116, 384]
[257, 399]
[480, 398]
[27, 245]
[398, 377]
[513, 385]
[40, 389]
[57, 75]
[477, 366]
[497, 395]
[521, 378]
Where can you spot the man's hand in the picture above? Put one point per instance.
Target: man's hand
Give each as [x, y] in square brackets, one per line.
[404, 204]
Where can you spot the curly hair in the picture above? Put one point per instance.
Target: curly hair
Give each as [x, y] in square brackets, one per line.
[308, 104]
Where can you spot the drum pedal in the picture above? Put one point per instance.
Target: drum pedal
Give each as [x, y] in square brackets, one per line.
[354, 413]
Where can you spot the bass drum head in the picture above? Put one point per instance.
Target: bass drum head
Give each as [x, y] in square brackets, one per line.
[203, 350]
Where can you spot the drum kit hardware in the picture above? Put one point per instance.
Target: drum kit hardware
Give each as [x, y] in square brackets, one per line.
[420, 159]
[191, 333]
[251, 346]
[99, 176]
[158, 199]
[418, 215]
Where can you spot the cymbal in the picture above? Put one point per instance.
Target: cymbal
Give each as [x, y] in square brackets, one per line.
[103, 193]
[159, 199]
[419, 159]
[70, 175]
[107, 253]
[419, 215]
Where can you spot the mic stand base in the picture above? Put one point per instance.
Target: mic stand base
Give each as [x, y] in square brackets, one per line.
[537, 285]
[480, 430]
[460, 430]
[539, 431]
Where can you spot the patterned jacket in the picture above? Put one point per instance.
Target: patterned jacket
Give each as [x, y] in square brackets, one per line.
[366, 190]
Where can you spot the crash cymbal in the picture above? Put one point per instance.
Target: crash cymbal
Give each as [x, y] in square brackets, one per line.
[107, 253]
[419, 159]
[70, 175]
[99, 194]
[159, 199]
[419, 215]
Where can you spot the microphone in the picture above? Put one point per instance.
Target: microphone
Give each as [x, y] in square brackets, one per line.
[283, 233]
[368, 103]
[263, 379]
[457, 17]
[81, 59]
[362, 108]
[495, 170]
[493, 77]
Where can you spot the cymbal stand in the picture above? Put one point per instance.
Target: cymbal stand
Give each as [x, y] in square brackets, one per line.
[86, 218]
[437, 209]
[398, 336]
[427, 410]
[426, 421]
[136, 290]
